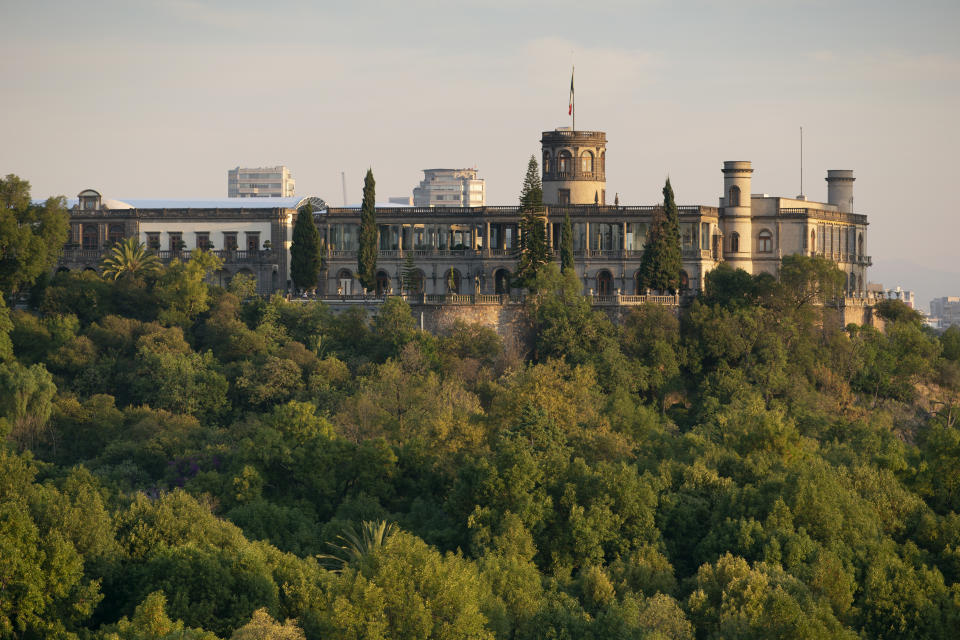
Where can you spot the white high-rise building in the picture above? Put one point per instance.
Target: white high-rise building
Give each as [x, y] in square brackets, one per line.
[260, 182]
[450, 188]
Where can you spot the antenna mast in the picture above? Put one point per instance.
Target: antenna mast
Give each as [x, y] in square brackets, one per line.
[801, 161]
[343, 179]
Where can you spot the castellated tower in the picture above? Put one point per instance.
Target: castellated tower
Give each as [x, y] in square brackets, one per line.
[737, 226]
[574, 170]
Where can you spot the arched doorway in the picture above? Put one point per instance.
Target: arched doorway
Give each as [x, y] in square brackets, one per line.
[604, 283]
[501, 281]
[344, 282]
[383, 283]
[637, 283]
[684, 280]
[453, 281]
[114, 233]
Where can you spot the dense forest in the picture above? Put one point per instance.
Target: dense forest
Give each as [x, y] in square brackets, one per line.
[184, 461]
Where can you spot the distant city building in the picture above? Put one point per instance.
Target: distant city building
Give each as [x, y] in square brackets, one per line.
[260, 182]
[450, 188]
[906, 297]
[406, 201]
[947, 309]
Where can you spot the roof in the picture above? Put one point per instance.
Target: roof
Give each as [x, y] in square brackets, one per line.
[291, 202]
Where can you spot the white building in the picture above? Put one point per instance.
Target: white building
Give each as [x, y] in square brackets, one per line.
[260, 182]
[450, 188]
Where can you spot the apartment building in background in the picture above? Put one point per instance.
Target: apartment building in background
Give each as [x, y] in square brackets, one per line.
[450, 188]
[260, 182]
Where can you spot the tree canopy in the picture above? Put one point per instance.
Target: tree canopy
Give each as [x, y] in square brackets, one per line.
[367, 253]
[306, 256]
[31, 235]
[660, 263]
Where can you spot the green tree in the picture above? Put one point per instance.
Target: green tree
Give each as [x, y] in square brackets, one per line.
[409, 276]
[182, 289]
[26, 401]
[130, 258]
[367, 253]
[566, 244]
[31, 235]
[533, 241]
[661, 262]
[306, 258]
[263, 627]
[950, 340]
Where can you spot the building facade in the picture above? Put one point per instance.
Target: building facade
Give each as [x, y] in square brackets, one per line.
[450, 188]
[456, 248]
[260, 182]
[251, 237]
[474, 249]
[947, 310]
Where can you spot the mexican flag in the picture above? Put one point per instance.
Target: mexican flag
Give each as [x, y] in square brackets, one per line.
[570, 109]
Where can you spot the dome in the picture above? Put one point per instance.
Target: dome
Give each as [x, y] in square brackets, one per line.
[115, 204]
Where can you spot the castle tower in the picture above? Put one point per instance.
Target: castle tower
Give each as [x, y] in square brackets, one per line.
[737, 224]
[840, 189]
[574, 170]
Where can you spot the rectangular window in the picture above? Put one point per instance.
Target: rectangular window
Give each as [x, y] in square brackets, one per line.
[705, 236]
[176, 240]
[203, 240]
[230, 240]
[253, 240]
[688, 232]
[153, 240]
[563, 196]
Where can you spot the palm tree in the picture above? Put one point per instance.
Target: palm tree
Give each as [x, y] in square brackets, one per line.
[352, 547]
[129, 258]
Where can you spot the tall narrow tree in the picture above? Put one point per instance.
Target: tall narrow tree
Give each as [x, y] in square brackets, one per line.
[367, 254]
[306, 256]
[661, 262]
[533, 237]
[566, 244]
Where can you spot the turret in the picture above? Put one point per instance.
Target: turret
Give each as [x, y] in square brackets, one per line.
[574, 170]
[735, 203]
[840, 189]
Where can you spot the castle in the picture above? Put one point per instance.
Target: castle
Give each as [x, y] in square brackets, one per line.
[473, 250]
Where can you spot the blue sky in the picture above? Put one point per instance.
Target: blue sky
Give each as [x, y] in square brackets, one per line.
[159, 99]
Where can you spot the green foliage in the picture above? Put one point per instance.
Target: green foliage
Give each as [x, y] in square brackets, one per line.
[745, 470]
[367, 252]
[533, 240]
[31, 235]
[661, 263]
[950, 341]
[566, 244]
[306, 256]
[182, 289]
[130, 258]
[897, 311]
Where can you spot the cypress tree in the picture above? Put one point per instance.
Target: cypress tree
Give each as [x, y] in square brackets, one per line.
[367, 253]
[306, 257]
[566, 244]
[533, 237]
[409, 275]
[661, 262]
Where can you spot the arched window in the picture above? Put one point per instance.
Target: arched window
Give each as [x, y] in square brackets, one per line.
[586, 162]
[733, 198]
[860, 245]
[603, 161]
[91, 237]
[604, 283]
[860, 285]
[734, 242]
[853, 283]
[813, 240]
[501, 281]
[564, 162]
[546, 162]
[684, 280]
[765, 241]
[115, 233]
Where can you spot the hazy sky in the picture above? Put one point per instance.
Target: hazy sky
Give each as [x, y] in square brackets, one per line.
[139, 98]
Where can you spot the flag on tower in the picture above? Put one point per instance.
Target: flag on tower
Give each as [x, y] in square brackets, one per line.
[570, 109]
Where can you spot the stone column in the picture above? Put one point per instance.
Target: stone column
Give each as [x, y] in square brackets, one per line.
[400, 241]
[586, 246]
[486, 240]
[623, 239]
